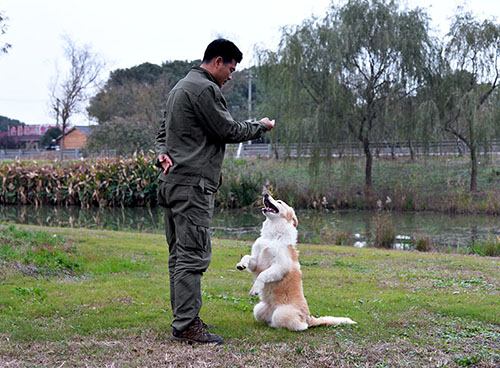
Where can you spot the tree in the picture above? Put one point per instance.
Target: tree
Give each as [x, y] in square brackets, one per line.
[3, 28]
[385, 52]
[70, 91]
[5, 122]
[122, 135]
[131, 100]
[50, 135]
[301, 87]
[344, 73]
[473, 50]
[137, 91]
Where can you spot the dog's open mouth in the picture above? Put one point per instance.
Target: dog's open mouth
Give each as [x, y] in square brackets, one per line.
[269, 207]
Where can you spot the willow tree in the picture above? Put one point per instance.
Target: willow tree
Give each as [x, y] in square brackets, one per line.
[302, 88]
[385, 53]
[473, 51]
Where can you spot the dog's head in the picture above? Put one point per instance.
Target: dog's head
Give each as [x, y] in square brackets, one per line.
[274, 209]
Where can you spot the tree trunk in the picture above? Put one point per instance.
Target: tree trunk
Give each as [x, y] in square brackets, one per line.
[368, 167]
[61, 148]
[412, 151]
[473, 173]
[276, 152]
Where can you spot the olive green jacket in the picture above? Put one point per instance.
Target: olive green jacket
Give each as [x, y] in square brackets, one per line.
[195, 129]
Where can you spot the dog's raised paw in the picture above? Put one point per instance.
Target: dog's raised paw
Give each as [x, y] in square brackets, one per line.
[255, 290]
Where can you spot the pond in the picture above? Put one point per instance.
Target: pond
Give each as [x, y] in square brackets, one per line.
[449, 233]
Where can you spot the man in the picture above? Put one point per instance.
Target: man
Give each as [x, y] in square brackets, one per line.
[190, 147]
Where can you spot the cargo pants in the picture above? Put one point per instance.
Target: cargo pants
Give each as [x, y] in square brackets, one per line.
[188, 213]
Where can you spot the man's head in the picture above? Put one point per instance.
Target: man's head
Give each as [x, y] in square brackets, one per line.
[220, 59]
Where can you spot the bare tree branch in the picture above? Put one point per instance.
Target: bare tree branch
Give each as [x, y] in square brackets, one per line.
[70, 92]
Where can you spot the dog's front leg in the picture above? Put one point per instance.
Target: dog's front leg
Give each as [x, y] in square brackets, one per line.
[250, 261]
[244, 262]
[247, 262]
[272, 274]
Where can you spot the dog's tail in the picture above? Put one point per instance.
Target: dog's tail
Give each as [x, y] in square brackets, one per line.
[329, 321]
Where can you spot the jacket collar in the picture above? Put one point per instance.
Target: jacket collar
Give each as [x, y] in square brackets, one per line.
[205, 72]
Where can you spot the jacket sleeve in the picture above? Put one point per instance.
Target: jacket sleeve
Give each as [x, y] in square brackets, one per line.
[161, 139]
[211, 109]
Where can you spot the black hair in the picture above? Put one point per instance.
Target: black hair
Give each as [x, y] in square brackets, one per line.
[223, 48]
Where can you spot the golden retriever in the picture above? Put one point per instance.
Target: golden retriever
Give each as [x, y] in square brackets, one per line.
[278, 279]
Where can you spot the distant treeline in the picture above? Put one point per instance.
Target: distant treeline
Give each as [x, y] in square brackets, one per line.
[5, 122]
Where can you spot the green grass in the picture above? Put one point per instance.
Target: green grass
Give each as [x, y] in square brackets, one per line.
[37, 251]
[413, 309]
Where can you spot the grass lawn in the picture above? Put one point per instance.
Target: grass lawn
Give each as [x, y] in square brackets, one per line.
[112, 308]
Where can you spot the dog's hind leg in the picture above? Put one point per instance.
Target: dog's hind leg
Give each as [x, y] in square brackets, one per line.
[288, 317]
[263, 312]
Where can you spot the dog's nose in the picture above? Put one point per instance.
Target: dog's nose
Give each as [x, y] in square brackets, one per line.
[266, 195]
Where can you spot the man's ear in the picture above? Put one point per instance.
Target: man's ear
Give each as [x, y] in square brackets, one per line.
[219, 61]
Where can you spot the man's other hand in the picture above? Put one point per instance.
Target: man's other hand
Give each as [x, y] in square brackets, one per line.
[165, 162]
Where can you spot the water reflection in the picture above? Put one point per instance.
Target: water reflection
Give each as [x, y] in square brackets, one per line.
[319, 227]
[139, 219]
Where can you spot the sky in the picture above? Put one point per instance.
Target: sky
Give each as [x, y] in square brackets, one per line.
[126, 33]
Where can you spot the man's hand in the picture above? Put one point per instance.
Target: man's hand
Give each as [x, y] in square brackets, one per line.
[165, 162]
[269, 123]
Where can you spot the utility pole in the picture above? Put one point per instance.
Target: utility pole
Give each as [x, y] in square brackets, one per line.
[240, 146]
[249, 95]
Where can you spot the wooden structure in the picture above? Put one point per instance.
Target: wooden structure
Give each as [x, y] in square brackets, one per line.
[75, 138]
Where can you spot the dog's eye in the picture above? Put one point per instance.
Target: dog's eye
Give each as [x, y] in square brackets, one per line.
[280, 202]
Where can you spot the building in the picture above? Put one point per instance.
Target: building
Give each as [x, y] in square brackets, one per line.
[25, 136]
[75, 138]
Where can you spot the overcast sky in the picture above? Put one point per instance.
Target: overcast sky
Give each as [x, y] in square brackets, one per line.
[127, 33]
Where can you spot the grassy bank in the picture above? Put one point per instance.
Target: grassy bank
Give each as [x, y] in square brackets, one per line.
[427, 184]
[110, 306]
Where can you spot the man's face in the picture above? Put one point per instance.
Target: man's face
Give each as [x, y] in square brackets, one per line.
[224, 71]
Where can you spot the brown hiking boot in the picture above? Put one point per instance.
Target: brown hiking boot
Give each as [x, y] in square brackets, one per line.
[205, 325]
[196, 333]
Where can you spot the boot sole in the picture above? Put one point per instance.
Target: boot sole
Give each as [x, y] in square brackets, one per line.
[191, 341]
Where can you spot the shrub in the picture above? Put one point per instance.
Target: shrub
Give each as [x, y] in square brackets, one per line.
[423, 244]
[487, 248]
[385, 235]
[103, 182]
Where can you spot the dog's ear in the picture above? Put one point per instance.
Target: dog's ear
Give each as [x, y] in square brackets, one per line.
[291, 217]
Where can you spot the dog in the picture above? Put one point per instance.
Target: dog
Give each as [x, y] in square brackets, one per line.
[278, 279]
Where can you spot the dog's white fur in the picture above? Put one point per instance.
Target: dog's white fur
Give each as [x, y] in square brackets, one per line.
[278, 279]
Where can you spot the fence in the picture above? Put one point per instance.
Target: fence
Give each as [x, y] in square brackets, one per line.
[12, 154]
[394, 149]
[379, 149]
